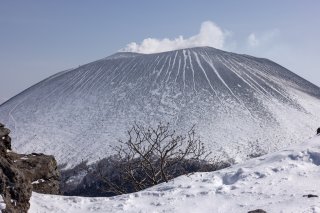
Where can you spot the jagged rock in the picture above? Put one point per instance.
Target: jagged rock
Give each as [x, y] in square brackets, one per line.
[40, 169]
[15, 188]
[20, 174]
[4, 131]
[3, 149]
[5, 140]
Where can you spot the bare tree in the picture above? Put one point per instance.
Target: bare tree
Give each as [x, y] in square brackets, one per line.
[154, 155]
[149, 156]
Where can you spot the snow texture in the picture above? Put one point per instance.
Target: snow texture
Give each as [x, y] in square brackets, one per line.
[275, 182]
[38, 181]
[233, 99]
[2, 204]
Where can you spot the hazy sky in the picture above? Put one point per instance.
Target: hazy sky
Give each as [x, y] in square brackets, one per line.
[41, 37]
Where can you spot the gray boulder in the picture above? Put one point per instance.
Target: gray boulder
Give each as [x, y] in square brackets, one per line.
[15, 188]
[40, 169]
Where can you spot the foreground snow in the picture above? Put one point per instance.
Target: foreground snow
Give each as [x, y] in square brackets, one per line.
[2, 204]
[276, 183]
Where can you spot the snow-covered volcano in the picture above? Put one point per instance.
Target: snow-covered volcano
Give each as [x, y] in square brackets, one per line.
[233, 99]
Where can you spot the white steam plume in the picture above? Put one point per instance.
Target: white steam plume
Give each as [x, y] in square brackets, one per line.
[263, 39]
[210, 35]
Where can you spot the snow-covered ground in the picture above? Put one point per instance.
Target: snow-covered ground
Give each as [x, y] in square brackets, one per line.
[275, 182]
[2, 204]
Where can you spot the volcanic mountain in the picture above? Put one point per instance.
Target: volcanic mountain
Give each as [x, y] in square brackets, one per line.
[236, 102]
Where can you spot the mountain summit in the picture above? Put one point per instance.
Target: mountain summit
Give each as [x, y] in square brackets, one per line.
[233, 99]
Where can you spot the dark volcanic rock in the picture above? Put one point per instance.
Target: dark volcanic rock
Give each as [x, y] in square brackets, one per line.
[4, 131]
[5, 140]
[40, 169]
[20, 174]
[310, 196]
[257, 211]
[15, 188]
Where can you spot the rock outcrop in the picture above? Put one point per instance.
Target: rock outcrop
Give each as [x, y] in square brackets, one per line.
[15, 188]
[5, 140]
[21, 174]
[40, 169]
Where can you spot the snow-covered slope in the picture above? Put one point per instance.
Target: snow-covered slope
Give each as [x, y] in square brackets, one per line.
[2, 100]
[276, 183]
[233, 99]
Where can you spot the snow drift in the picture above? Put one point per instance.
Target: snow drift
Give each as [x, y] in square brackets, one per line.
[278, 182]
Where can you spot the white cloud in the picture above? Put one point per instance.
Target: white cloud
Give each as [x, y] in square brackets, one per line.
[252, 40]
[210, 35]
[265, 38]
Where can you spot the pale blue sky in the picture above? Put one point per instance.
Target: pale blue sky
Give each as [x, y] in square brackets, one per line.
[41, 37]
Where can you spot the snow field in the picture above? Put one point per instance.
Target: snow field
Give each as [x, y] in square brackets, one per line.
[275, 182]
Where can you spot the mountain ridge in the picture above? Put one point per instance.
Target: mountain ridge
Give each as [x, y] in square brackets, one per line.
[134, 54]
